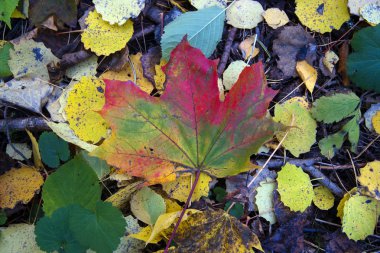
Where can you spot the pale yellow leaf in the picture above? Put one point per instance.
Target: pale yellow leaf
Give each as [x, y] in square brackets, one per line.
[244, 14]
[119, 11]
[275, 17]
[231, 74]
[36, 151]
[308, 74]
[201, 4]
[18, 238]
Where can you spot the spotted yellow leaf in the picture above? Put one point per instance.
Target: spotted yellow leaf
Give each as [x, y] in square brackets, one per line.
[323, 198]
[295, 188]
[342, 202]
[19, 185]
[104, 39]
[119, 11]
[370, 178]
[84, 98]
[245, 14]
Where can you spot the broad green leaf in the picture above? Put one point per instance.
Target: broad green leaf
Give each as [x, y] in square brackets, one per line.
[6, 9]
[331, 144]
[18, 238]
[237, 210]
[100, 229]
[188, 126]
[53, 149]
[54, 233]
[204, 29]
[5, 47]
[360, 217]
[295, 188]
[333, 108]
[75, 182]
[353, 130]
[363, 64]
[100, 167]
[147, 205]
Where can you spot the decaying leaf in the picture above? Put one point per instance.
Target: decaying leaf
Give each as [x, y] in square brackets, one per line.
[64, 10]
[84, 98]
[264, 200]
[201, 4]
[295, 113]
[104, 39]
[19, 185]
[245, 14]
[119, 11]
[329, 60]
[18, 238]
[129, 244]
[246, 47]
[275, 17]
[321, 15]
[323, 198]
[360, 217]
[84, 68]
[295, 188]
[197, 130]
[308, 74]
[214, 231]
[180, 188]
[371, 13]
[370, 178]
[231, 74]
[23, 148]
[356, 5]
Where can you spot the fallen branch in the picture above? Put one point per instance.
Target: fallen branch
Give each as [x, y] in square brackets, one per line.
[226, 51]
[31, 123]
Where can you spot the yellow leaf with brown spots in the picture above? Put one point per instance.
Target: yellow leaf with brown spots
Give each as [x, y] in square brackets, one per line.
[19, 185]
[323, 198]
[370, 178]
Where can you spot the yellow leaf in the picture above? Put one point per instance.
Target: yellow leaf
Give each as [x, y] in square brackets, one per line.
[330, 60]
[104, 39]
[370, 178]
[160, 76]
[295, 188]
[264, 200]
[118, 11]
[323, 198]
[64, 131]
[244, 14]
[322, 15]
[18, 14]
[180, 188]
[83, 100]
[275, 17]
[342, 202]
[360, 217]
[144, 235]
[308, 74]
[302, 135]
[246, 47]
[120, 198]
[19, 185]
[371, 13]
[36, 151]
[172, 206]
[131, 72]
[231, 74]
[376, 122]
[356, 5]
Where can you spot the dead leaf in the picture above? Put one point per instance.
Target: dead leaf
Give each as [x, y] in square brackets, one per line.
[308, 74]
[23, 148]
[246, 47]
[275, 17]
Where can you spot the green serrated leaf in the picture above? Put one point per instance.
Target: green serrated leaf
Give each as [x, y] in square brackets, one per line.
[100, 167]
[100, 229]
[330, 144]
[364, 63]
[204, 29]
[330, 109]
[5, 46]
[6, 9]
[3, 217]
[73, 183]
[53, 149]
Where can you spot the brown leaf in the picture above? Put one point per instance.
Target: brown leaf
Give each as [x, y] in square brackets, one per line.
[149, 60]
[339, 243]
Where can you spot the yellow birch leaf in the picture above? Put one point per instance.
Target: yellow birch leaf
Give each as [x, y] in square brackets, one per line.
[144, 235]
[264, 200]
[84, 99]
[180, 188]
[83, 68]
[308, 74]
[295, 188]
[245, 14]
[104, 39]
[19, 185]
[275, 17]
[246, 47]
[119, 11]
[371, 13]
[323, 198]
[36, 151]
[201, 4]
[303, 133]
[342, 202]
[322, 15]
[129, 72]
[370, 178]
[376, 122]
[356, 5]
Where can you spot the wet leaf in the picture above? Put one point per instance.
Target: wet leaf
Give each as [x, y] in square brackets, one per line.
[19, 185]
[104, 39]
[18, 238]
[323, 198]
[210, 136]
[295, 188]
[64, 10]
[370, 178]
[245, 14]
[119, 11]
[53, 149]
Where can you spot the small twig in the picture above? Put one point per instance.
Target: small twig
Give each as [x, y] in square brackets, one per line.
[143, 33]
[198, 173]
[334, 188]
[31, 123]
[365, 149]
[226, 51]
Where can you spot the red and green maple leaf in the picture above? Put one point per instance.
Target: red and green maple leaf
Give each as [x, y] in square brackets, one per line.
[188, 127]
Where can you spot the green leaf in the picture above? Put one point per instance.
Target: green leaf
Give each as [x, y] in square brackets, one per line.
[364, 63]
[6, 9]
[237, 210]
[100, 167]
[330, 144]
[330, 109]
[204, 29]
[100, 229]
[53, 149]
[3, 217]
[5, 46]
[147, 205]
[73, 183]
[54, 234]
[220, 193]
[353, 130]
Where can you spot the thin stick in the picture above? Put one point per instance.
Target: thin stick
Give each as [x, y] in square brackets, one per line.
[226, 51]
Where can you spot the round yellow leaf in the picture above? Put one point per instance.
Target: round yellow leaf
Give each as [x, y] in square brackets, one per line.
[295, 188]
[245, 14]
[376, 122]
[370, 178]
[322, 15]
[84, 98]
[231, 74]
[323, 198]
[371, 13]
[180, 188]
[19, 185]
[119, 11]
[275, 17]
[104, 39]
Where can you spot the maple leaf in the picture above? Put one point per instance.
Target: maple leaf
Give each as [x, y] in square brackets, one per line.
[188, 126]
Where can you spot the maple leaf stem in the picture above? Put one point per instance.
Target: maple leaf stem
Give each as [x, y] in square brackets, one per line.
[197, 175]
